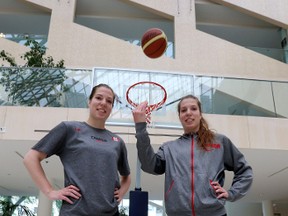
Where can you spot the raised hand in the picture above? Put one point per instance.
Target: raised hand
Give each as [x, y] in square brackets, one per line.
[139, 113]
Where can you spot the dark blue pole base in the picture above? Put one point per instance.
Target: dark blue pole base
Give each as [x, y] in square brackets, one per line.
[138, 205]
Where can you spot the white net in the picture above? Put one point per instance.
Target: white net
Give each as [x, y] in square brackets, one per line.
[151, 92]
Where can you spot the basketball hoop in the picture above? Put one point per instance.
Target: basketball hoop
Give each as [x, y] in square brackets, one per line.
[152, 92]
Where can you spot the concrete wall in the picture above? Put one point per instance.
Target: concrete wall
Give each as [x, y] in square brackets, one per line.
[21, 123]
[268, 10]
[195, 52]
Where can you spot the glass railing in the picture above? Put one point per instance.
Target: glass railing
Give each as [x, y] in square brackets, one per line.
[278, 54]
[218, 95]
[46, 87]
[22, 38]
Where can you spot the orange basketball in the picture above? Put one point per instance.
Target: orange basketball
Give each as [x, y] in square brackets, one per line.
[154, 43]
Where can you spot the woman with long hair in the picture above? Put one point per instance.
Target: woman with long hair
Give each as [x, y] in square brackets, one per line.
[193, 164]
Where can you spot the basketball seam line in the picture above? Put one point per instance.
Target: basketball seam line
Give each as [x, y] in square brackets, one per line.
[153, 40]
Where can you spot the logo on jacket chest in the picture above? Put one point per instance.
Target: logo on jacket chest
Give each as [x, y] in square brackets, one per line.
[98, 139]
[212, 146]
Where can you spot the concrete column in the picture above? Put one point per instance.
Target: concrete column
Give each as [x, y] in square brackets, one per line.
[267, 208]
[44, 205]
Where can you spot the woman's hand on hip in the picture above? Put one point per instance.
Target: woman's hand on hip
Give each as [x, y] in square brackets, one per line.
[65, 194]
[220, 191]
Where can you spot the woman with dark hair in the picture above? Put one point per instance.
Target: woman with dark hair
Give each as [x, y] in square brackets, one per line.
[92, 157]
[194, 164]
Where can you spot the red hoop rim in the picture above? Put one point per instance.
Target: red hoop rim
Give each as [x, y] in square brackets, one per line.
[151, 107]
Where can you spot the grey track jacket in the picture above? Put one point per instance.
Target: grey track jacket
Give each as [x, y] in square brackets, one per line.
[189, 171]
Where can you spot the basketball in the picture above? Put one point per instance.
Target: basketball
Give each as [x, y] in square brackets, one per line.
[154, 43]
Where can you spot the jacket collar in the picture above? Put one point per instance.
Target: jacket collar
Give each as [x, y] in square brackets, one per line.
[189, 135]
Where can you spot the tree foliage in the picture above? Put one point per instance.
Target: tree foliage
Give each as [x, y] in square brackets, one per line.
[39, 79]
[35, 57]
[122, 211]
[7, 207]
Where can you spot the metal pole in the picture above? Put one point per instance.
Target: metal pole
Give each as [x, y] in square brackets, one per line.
[138, 175]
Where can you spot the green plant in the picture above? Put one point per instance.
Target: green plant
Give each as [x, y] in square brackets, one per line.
[7, 57]
[7, 207]
[39, 82]
[35, 57]
[122, 211]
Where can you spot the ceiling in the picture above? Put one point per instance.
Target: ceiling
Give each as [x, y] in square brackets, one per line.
[114, 17]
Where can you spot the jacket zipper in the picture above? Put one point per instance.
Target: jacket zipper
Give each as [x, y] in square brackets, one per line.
[192, 178]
